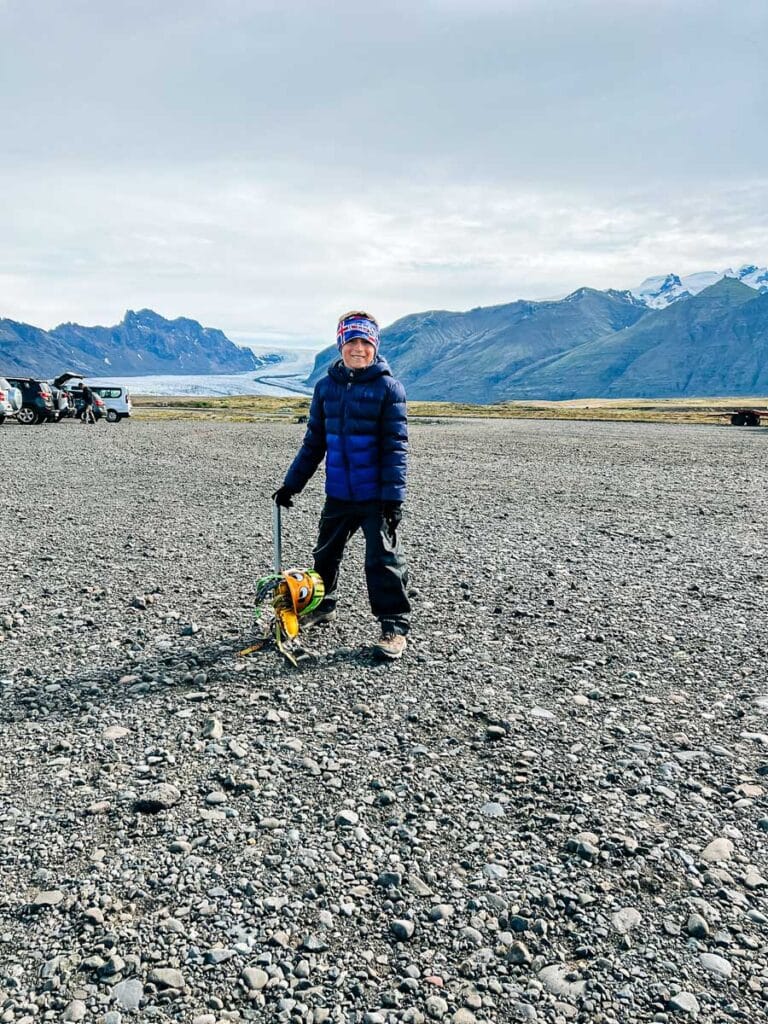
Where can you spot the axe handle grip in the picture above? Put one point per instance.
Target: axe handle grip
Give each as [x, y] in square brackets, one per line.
[277, 537]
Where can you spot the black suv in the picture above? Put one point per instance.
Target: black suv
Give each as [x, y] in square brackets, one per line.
[36, 400]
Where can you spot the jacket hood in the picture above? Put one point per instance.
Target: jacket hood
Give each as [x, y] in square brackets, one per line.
[378, 368]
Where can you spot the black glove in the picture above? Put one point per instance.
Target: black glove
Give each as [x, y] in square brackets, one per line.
[282, 497]
[393, 514]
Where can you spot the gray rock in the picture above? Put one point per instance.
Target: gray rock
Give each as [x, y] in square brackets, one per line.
[418, 886]
[718, 850]
[539, 712]
[685, 1002]
[390, 880]
[492, 810]
[115, 732]
[436, 1007]
[626, 920]
[128, 994]
[441, 912]
[716, 965]
[48, 898]
[562, 981]
[115, 965]
[218, 956]
[495, 733]
[158, 798]
[347, 818]
[402, 929]
[472, 935]
[754, 880]
[254, 978]
[496, 872]
[167, 977]
[697, 927]
[600, 812]
[75, 1010]
[463, 1016]
[212, 729]
[519, 954]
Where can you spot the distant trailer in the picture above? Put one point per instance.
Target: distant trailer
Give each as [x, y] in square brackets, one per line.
[747, 417]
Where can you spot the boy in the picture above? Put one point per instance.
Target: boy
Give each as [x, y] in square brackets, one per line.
[358, 421]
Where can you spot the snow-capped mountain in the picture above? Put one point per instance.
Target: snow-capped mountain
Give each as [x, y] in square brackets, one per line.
[659, 292]
[590, 344]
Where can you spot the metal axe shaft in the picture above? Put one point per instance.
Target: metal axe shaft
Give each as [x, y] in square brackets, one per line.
[277, 537]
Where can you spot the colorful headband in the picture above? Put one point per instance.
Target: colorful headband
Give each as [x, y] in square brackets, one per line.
[357, 327]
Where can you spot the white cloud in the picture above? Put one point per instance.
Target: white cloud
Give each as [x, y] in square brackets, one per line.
[260, 258]
[262, 165]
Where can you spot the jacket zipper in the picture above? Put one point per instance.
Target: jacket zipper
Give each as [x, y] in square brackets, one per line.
[344, 438]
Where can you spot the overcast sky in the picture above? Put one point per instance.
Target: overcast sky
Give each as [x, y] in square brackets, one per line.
[265, 166]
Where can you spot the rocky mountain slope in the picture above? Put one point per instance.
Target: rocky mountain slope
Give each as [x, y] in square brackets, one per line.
[143, 343]
[554, 809]
[470, 356]
[714, 343]
[590, 344]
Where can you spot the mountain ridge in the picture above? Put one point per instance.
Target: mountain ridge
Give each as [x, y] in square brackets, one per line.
[144, 342]
[680, 337]
[591, 344]
[686, 348]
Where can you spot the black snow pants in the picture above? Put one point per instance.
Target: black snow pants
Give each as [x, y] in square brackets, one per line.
[386, 573]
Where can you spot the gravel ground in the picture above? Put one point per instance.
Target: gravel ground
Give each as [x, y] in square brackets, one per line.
[552, 809]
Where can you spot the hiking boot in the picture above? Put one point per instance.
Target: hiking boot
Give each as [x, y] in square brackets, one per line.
[391, 645]
[318, 616]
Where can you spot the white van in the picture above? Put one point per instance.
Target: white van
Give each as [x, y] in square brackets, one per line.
[115, 398]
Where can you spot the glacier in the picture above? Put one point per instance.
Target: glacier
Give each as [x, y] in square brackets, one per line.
[284, 379]
[663, 289]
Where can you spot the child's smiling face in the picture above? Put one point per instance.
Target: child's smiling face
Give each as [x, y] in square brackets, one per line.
[357, 354]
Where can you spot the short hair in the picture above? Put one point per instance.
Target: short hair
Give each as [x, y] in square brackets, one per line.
[358, 312]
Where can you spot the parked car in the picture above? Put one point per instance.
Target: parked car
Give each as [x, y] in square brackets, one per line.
[77, 404]
[65, 405]
[56, 415]
[7, 409]
[12, 395]
[16, 399]
[36, 400]
[115, 397]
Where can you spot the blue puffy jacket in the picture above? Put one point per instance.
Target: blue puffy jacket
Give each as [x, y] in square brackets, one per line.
[358, 420]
